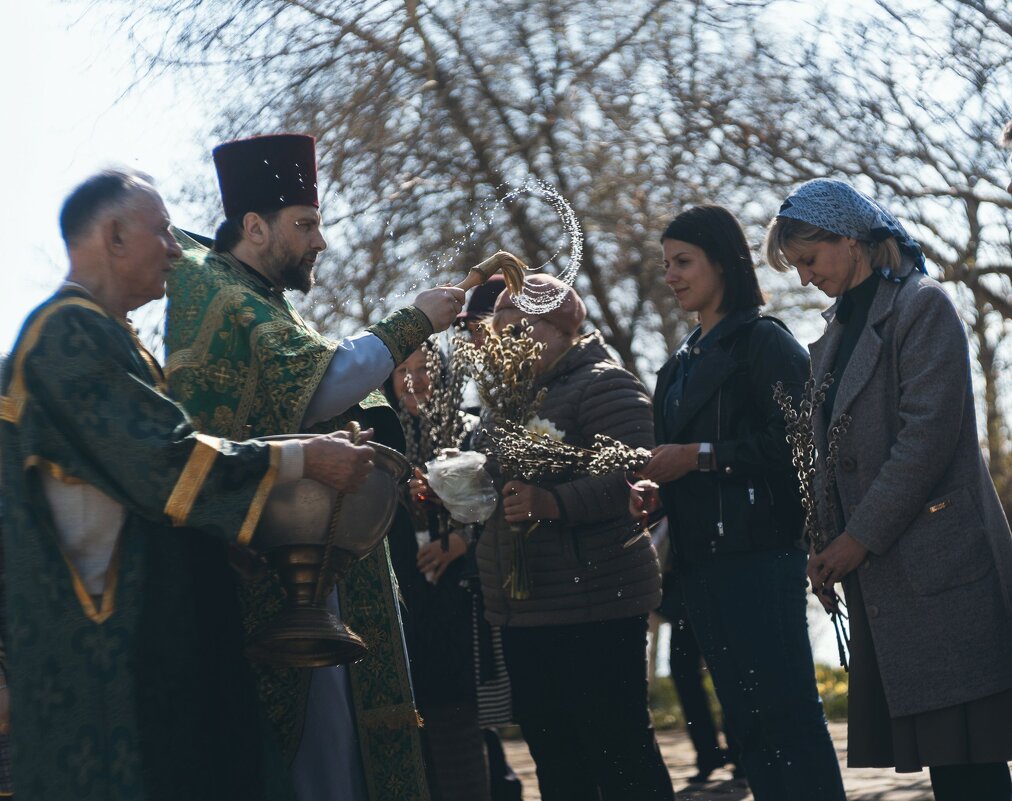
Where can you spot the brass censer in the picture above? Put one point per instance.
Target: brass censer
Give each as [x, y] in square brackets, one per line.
[311, 535]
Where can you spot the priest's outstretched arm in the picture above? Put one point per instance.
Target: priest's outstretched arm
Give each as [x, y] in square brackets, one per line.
[364, 361]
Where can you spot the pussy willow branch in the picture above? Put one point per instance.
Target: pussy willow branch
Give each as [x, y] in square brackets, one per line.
[832, 456]
[503, 370]
[532, 455]
[442, 408]
[800, 427]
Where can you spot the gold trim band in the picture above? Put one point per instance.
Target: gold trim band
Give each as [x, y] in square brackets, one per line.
[51, 469]
[8, 409]
[192, 479]
[257, 506]
[108, 594]
[14, 402]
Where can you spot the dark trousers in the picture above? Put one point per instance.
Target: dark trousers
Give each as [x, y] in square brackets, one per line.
[458, 764]
[505, 784]
[986, 782]
[749, 614]
[686, 661]
[580, 697]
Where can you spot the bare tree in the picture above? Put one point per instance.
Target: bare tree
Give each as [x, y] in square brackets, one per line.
[427, 114]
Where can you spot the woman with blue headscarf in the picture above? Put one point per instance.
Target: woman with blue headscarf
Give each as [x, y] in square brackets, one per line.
[918, 537]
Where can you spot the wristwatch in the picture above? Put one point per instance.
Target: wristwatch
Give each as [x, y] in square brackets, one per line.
[704, 461]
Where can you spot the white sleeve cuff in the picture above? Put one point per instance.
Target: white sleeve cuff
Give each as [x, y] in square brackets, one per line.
[292, 462]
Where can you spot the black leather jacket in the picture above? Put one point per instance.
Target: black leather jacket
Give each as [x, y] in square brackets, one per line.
[750, 502]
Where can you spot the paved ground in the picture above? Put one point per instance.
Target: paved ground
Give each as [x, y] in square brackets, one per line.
[862, 785]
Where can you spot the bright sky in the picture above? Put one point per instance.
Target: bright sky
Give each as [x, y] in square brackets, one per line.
[66, 117]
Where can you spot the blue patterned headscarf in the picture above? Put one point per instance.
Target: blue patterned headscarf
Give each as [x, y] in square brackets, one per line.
[840, 209]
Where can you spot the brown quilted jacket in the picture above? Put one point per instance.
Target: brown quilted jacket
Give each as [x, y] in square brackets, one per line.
[583, 568]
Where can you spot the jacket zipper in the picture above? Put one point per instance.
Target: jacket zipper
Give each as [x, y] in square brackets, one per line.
[720, 493]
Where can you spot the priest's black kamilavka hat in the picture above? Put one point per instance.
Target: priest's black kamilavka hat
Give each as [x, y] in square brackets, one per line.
[266, 173]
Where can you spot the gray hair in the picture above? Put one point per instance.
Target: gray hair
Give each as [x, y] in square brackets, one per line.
[97, 195]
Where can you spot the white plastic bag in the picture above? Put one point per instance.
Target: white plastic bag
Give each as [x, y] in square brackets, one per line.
[460, 481]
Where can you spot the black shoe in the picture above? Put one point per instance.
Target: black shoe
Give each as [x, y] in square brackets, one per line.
[703, 771]
[702, 777]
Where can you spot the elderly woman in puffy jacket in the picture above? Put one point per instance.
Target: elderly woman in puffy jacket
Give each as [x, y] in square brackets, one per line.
[919, 538]
[575, 647]
[729, 491]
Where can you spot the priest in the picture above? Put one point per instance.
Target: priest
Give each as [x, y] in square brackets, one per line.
[244, 363]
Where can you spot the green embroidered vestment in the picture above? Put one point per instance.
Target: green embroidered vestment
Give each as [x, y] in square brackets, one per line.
[245, 364]
[143, 693]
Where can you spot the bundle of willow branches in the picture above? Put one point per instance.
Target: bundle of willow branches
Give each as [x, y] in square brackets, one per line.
[800, 428]
[416, 438]
[503, 370]
[442, 418]
[801, 436]
[532, 456]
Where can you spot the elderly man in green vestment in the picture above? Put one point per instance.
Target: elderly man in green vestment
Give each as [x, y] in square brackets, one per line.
[124, 636]
[243, 363]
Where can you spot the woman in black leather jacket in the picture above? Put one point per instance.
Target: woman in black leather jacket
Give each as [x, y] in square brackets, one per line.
[728, 488]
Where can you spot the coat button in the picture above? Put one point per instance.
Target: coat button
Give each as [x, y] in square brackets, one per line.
[727, 470]
[851, 509]
[848, 464]
[866, 564]
[872, 611]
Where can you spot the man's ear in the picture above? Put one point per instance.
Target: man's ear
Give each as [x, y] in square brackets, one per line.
[112, 234]
[255, 228]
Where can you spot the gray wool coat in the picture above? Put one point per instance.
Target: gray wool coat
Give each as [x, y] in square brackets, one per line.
[914, 489]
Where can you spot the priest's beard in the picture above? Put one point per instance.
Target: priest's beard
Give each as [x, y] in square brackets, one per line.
[293, 270]
[298, 275]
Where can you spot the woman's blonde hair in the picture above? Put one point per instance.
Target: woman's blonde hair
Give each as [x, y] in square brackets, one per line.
[782, 232]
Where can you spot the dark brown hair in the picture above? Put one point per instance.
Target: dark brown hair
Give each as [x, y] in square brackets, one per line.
[719, 234]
